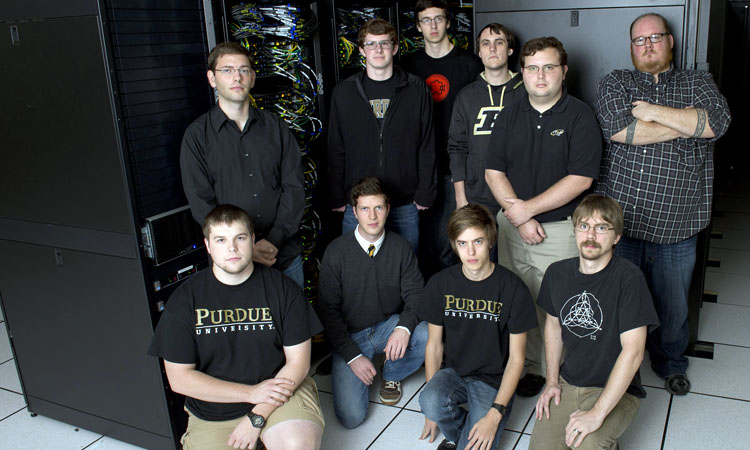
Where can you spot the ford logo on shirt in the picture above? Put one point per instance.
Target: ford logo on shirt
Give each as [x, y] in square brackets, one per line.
[557, 132]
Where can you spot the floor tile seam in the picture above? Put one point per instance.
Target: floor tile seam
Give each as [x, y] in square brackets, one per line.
[14, 413]
[724, 343]
[731, 304]
[518, 440]
[384, 428]
[7, 360]
[723, 397]
[10, 390]
[666, 422]
[95, 441]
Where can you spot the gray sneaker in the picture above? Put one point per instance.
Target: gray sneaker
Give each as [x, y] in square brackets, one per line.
[390, 392]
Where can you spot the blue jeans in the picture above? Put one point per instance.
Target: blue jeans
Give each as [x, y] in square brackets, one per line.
[295, 272]
[668, 269]
[350, 394]
[440, 401]
[403, 220]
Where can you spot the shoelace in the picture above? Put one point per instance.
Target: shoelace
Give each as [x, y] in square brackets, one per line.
[392, 384]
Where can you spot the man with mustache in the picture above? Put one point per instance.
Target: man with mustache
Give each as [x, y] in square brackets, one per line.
[247, 157]
[660, 123]
[598, 311]
[543, 155]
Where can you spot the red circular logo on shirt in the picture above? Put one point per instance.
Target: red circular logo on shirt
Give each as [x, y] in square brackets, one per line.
[439, 86]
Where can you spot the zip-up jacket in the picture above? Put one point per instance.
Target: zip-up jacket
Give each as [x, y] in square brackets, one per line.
[401, 153]
[474, 113]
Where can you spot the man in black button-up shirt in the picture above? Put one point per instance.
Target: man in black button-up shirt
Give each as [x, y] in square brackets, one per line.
[247, 157]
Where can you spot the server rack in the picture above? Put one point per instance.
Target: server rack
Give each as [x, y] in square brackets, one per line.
[97, 96]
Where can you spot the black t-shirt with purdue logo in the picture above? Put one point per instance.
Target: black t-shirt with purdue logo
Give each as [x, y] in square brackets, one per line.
[477, 318]
[234, 333]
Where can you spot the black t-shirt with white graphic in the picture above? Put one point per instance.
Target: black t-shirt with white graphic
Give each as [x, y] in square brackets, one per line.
[379, 94]
[593, 311]
[477, 318]
[233, 333]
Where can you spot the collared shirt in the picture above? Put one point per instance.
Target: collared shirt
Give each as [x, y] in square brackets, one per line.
[256, 168]
[365, 244]
[536, 150]
[666, 188]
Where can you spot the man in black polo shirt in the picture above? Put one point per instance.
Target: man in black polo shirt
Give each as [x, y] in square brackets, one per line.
[543, 156]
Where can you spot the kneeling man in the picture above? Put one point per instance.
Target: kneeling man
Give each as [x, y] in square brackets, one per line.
[235, 339]
[368, 297]
[598, 311]
[484, 311]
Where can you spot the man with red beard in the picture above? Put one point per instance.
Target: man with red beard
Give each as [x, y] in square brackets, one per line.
[660, 123]
[598, 311]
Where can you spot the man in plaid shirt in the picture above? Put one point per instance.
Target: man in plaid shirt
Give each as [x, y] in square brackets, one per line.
[660, 123]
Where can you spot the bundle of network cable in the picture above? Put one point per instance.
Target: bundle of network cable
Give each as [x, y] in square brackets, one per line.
[263, 21]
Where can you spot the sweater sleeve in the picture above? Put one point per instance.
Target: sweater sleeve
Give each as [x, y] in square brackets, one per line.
[412, 285]
[328, 306]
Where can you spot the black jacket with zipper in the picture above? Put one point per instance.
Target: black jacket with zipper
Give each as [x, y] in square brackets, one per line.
[401, 153]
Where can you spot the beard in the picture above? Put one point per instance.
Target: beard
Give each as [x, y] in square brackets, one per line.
[654, 66]
[585, 255]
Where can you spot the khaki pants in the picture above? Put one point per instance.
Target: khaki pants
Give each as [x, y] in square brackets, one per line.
[212, 435]
[549, 434]
[530, 262]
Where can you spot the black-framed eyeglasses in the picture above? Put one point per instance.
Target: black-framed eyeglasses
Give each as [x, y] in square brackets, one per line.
[599, 228]
[372, 45]
[654, 38]
[547, 68]
[428, 20]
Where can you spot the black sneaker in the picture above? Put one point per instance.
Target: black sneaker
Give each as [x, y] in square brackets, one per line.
[446, 445]
[530, 385]
[390, 392]
[677, 384]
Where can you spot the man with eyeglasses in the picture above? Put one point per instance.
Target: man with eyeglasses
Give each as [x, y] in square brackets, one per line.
[246, 157]
[381, 125]
[446, 68]
[660, 123]
[598, 311]
[543, 155]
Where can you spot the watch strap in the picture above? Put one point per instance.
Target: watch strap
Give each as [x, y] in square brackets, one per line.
[500, 408]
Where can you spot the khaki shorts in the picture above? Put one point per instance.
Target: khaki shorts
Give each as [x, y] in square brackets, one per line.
[213, 435]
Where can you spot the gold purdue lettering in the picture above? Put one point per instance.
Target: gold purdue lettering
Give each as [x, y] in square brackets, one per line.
[200, 315]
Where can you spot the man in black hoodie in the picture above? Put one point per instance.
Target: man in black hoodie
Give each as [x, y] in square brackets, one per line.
[381, 125]
[477, 107]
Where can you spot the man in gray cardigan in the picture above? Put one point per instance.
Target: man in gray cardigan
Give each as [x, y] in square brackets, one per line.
[369, 288]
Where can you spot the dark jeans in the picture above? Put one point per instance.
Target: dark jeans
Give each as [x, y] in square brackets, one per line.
[668, 269]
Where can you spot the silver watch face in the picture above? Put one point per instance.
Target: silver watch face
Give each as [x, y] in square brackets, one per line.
[257, 420]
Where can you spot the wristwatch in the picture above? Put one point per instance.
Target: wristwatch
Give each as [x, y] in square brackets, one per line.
[257, 420]
[500, 408]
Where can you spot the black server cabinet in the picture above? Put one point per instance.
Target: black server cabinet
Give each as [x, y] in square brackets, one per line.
[97, 95]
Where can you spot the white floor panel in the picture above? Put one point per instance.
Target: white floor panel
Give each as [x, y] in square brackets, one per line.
[9, 377]
[10, 402]
[732, 261]
[732, 289]
[21, 431]
[336, 437]
[705, 422]
[5, 351]
[404, 433]
[647, 427]
[725, 375]
[724, 324]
